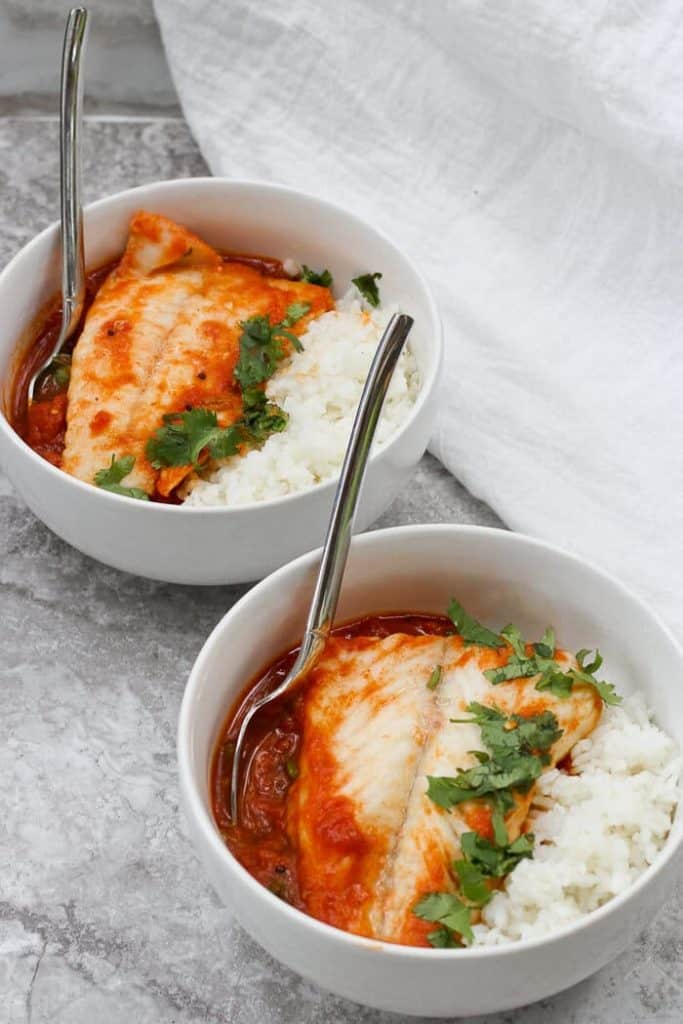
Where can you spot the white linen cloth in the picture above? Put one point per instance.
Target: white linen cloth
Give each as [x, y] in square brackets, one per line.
[529, 156]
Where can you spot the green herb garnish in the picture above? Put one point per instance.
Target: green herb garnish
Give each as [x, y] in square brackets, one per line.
[323, 278]
[367, 286]
[553, 677]
[493, 859]
[514, 638]
[503, 733]
[60, 368]
[546, 647]
[109, 479]
[518, 750]
[435, 677]
[450, 913]
[469, 629]
[483, 860]
[185, 435]
[472, 883]
[261, 346]
[292, 768]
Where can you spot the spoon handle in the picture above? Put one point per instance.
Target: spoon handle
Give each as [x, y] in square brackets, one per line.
[338, 538]
[73, 257]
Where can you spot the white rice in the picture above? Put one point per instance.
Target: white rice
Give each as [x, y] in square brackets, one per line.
[596, 831]
[319, 389]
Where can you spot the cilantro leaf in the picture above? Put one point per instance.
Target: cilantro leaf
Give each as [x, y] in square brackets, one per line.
[586, 674]
[514, 638]
[260, 351]
[594, 665]
[503, 733]
[61, 369]
[185, 435]
[556, 681]
[295, 312]
[435, 677]
[472, 883]
[367, 286]
[495, 860]
[54, 379]
[510, 771]
[261, 347]
[323, 278]
[441, 938]
[260, 417]
[518, 748]
[470, 630]
[500, 832]
[561, 683]
[546, 646]
[447, 910]
[109, 479]
[514, 669]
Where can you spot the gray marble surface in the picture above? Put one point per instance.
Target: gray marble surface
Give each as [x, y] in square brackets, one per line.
[104, 912]
[126, 67]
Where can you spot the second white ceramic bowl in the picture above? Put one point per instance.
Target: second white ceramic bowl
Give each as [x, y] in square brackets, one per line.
[500, 577]
[215, 545]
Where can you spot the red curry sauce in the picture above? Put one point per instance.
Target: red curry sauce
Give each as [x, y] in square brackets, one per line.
[261, 841]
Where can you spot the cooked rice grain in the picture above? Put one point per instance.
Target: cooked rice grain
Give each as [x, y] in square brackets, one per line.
[596, 831]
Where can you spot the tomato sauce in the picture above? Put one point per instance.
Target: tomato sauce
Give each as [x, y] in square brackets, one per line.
[261, 840]
[42, 423]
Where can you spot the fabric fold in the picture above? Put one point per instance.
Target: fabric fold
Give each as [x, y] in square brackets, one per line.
[526, 158]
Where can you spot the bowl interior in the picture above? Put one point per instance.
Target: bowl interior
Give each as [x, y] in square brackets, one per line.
[500, 578]
[241, 216]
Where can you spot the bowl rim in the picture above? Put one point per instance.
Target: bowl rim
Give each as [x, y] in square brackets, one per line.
[203, 819]
[425, 393]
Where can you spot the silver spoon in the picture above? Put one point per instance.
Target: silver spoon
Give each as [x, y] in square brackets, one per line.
[338, 538]
[73, 258]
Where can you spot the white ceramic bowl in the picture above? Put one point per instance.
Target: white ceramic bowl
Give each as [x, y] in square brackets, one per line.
[215, 545]
[500, 577]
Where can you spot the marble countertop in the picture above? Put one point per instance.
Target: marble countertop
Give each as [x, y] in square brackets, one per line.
[105, 914]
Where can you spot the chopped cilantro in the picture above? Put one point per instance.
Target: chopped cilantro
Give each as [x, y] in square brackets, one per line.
[470, 630]
[518, 749]
[586, 674]
[472, 882]
[553, 677]
[503, 733]
[54, 379]
[441, 938]
[185, 435]
[499, 777]
[292, 768]
[295, 312]
[261, 346]
[435, 677]
[514, 638]
[109, 479]
[556, 681]
[323, 278]
[260, 417]
[447, 910]
[496, 860]
[546, 647]
[514, 669]
[367, 286]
